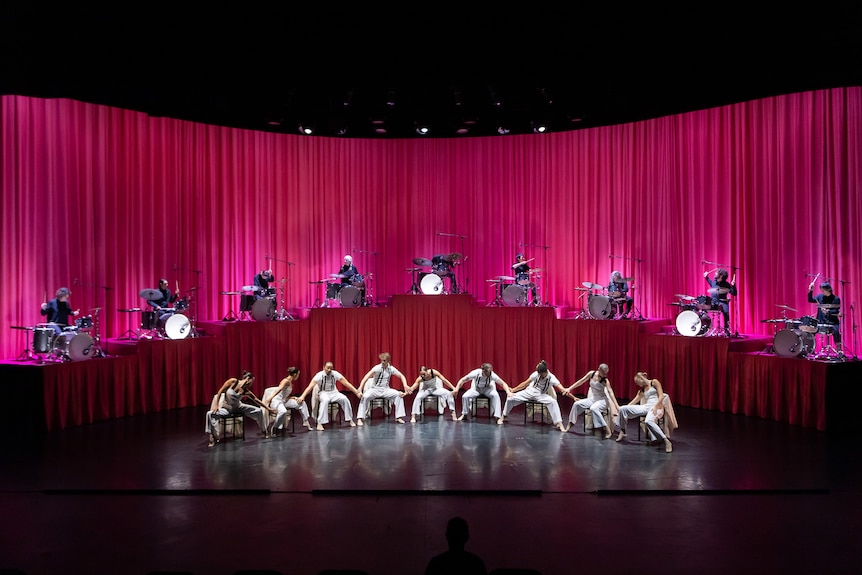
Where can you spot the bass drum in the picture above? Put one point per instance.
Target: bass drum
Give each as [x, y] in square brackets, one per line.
[692, 324]
[178, 326]
[515, 295]
[74, 346]
[350, 296]
[431, 284]
[263, 309]
[793, 343]
[602, 307]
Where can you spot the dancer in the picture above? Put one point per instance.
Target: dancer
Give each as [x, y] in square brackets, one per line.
[324, 382]
[484, 382]
[649, 403]
[381, 374]
[430, 383]
[600, 398]
[235, 390]
[539, 382]
[281, 401]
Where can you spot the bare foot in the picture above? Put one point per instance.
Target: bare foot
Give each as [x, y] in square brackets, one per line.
[455, 417]
[352, 424]
[500, 421]
[561, 427]
[212, 441]
[412, 420]
[319, 427]
[359, 422]
[608, 434]
[461, 417]
[668, 446]
[400, 420]
[307, 424]
[621, 436]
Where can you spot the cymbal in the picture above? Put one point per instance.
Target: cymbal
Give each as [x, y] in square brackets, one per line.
[341, 276]
[535, 270]
[319, 282]
[425, 262]
[495, 281]
[131, 309]
[592, 285]
[828, 306]
[581, 289]
[627, 280]
[787, 307]
[506, 278]
[95, 309]
[718, 291]
[454, 257]
[776, 320]
[676, 303]
[193, 289]
[411, 270]
[150, 294]
[684, 297]
[231, 293]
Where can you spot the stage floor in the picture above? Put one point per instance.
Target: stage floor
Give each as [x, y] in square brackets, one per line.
[145, 493]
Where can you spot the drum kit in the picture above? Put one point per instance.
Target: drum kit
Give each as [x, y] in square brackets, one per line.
[698, 317]
[798, 337]
[347, 295]
[601, 304]
[58, 342]
[431, 282]
[166, 322]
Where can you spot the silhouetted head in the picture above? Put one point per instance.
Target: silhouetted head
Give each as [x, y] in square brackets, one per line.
[457, 532]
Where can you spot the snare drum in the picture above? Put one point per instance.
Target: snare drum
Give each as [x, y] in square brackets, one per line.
[263, 309]
[602, 307]
[177, 326]
[523, 279]
[808, 324]
[84, 323]
[43, 337]
[431, 284]
[74, 346]
[148, 320]
[358, 281]
[350, 296]
[693, 323]
[703, 303]
[515, 295]
[793, 343]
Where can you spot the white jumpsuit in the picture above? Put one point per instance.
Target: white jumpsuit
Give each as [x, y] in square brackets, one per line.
[433, 386]
[379, 388]
[282, 402]
[327, 393]
[596, 401]
[484, 386]
[537, 390]
[646, 409]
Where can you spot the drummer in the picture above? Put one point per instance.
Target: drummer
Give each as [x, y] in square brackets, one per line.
[618, 290]
[163, 302]
[58, 309]
[719, 289]
[828, 308]
[444, 266]
[522, 275]
[261, 283]
[346, 274]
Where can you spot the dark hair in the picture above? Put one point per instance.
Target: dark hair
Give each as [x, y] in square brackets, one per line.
[519, 255]
[63, 291]
[826, 285]
[542, 367]
[292, 370]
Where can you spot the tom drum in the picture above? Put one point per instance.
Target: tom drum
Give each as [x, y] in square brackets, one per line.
[84, 323]
[692, 324]
[148, 320]
[43, 336]
[808, 324]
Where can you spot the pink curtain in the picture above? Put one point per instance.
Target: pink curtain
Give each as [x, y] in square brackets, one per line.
[115, 200]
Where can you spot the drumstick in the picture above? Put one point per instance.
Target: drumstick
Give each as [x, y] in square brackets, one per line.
[811, 285]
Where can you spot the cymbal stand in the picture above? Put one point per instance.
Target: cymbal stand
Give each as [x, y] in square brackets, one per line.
[369, 295]
[97, 341]
[231, 314]
[414, 289]
[130, 333]
[498, 294]
[584, 314]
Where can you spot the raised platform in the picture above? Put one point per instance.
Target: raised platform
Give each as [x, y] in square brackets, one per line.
[450, 333]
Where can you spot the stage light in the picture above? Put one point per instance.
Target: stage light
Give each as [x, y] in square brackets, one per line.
[306, 129]
[539, 127]
[422, 128]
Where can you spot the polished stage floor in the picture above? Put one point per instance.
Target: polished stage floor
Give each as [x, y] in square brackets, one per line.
[143, 494]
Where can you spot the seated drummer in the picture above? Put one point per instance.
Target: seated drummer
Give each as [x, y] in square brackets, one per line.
[59, 310]
[261, 282]
[443, 266]
[827, 315]
[347, 271]
[522, 273]
[618, 290]
[163, 303]
[720, 288]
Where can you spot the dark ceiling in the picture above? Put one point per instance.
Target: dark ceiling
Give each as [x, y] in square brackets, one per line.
[344, 70]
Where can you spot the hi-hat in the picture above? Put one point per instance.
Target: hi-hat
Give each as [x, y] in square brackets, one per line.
[718, 291]
[506, 278]
[581, 289]
[95, 309]
[627, 280]
[413, 270]
[684, 297]
[231, 293]
[21, 327]
[592, 285]
[535, 270]
[150, 294]
[342, 276]
[787, 307]
[193, 289]
[425, 262]
[319, 282]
